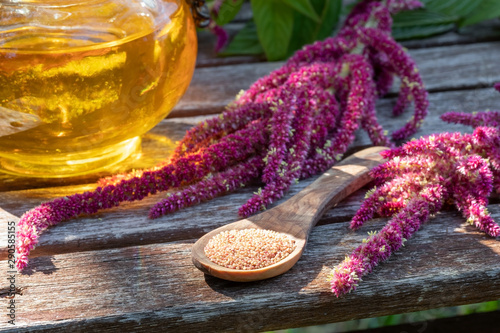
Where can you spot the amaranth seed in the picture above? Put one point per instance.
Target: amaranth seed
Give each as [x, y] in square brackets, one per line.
[248, 249]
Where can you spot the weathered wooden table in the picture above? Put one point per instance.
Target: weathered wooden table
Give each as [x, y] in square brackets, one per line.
[119, 271]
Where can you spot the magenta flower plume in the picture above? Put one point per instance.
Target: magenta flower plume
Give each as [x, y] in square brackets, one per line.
[490, 118]
[379, 246]
[476, 119]
[222, 37]
[415, 182]
[210, 187]
[293, 123]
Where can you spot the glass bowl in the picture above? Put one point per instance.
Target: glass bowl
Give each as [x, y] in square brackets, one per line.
[82, 80]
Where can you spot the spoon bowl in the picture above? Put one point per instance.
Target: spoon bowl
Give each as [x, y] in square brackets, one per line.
[295, 217]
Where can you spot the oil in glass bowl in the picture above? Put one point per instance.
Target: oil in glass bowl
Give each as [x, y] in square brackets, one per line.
[80, 81]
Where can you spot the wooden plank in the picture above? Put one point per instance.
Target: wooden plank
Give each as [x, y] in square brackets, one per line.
[442, 68]
[156, 288]
[120, 226]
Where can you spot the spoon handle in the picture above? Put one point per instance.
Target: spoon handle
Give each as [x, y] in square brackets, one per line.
[296, 216]
[305, 208]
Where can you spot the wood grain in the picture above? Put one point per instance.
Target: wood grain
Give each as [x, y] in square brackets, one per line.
[453, 67]
[155, 288]
[486, 31]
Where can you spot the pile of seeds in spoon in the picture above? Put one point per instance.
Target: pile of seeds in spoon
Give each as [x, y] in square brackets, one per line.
[248, 249]
[294, 123]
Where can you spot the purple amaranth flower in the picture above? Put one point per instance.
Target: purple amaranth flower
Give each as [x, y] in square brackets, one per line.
[490, 118]
[497, 86]
[302, 85]
[382, 18]
[300, 89]
[290, 166]
[486, 137]
[417, 180]
[280, 127]
[327, 113]
[359, 75]
[386, 199]
[210, 187]
[222, 37]
[404, 66]
[403, 101]
[473, 184]
[379, 246]
[211, 130]
[370, 123]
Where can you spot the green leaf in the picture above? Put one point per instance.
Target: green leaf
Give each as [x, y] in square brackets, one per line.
[227, 11]
[329, 17]
[421, 17]
[486, 10]
[421, 31]
[302, 33]
[306, 31]
[274, 22]
[246, 42]
[304, 7]
[459, 8]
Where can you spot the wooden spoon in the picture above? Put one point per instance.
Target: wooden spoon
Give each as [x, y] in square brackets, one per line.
[296, 216]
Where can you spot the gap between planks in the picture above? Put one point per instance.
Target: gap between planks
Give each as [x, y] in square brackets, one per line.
[156, 288]
[455, 67]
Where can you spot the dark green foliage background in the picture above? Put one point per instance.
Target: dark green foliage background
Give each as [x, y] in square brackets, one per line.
[280, 27]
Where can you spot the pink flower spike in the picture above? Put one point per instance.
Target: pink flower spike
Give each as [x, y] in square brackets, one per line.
[488, 118]
[209, 188]
[222, 37]
[378, 247]
[417, 180]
